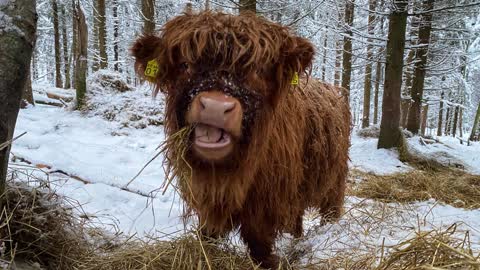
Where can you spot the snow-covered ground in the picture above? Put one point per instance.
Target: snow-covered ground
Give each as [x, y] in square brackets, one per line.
[107, 157]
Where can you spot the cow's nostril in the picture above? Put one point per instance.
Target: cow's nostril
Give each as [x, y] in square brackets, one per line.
[229, 106]
[203, 103]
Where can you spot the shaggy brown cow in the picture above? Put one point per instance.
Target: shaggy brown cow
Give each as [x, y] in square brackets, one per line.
[263, 149]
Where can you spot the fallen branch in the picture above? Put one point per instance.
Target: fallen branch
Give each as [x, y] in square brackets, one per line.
[78, 178]
[49, 103]
[59, 97]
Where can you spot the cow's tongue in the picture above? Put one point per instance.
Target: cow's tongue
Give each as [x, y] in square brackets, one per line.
[208, 134]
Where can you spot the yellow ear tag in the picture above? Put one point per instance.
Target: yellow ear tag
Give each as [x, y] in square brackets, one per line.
[151, 70]
[295, 79]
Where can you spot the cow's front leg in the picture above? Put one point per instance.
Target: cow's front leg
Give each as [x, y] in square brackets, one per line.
[260, 241]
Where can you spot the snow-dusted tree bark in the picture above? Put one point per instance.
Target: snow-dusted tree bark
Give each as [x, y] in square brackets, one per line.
[378, 78]
[66, 61]
[248, 5]
[474, 136]
[27, 94]
[324, 54]
[390, 135]
[338, 63]
[440, 115]
[367, 85]
[99, 21]
[115, 34]
[58, 59]
[102, 34]
[81, 61]
[413, 122]
[455, 121]
[74, 46]
[448, 121]
[17, 40]
[347, 47]
[424, 119]
[148, 11]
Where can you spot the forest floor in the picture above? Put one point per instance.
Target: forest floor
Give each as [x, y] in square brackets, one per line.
[90, 160]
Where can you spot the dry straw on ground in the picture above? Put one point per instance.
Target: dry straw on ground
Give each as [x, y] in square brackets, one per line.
[450, 186]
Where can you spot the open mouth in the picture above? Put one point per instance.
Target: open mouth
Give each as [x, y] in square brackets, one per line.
[211, 137]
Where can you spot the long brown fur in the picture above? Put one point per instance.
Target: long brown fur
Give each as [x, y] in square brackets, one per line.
[298, 150]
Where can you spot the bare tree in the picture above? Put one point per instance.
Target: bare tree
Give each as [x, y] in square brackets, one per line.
[148, 11]
[440, 115]
[473, 135]
[413, 123]
[58, 60]
[347, 47]
[17, 40]
[390, 135]
[66, 61]
[115, 34]
[81, 61]
[367, 86]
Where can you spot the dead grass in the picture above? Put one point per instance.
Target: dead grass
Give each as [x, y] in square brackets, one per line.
[435, 249]
[37, 225]
[449, 186]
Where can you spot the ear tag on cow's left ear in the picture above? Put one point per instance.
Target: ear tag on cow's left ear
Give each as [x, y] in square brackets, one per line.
[295, 79]
[151, 70]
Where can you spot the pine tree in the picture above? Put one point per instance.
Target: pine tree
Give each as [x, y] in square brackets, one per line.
[413, 123]
[347, 47]
[56, 31]
[390, 135]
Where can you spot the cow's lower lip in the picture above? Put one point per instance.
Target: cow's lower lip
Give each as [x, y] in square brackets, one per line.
[210, 137]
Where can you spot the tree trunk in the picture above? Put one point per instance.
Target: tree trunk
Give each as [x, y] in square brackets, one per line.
[102, 34]
[378, 73]
[473, 134]
[418, 82]
[17, 41]
[404, 105]
[74, 53]
[367, 86]
[448, 121]
[81, 61]
[248, 6]
[378, 78]
[455, 121]
[440, 115]
[66, 61]
[390, 135]
[324, 61]
[347, 48]
[207, 4]
[115, 35]
[148, 11]
[338, 63]
[58, 59]
[27, 95]
[424, 119]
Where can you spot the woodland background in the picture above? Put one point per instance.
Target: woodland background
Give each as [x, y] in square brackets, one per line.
[441, 66]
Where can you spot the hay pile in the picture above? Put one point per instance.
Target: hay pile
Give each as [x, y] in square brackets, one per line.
[445, 249]
[450, 186]
[38, 226]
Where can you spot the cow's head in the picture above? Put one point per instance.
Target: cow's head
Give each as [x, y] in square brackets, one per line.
[220, 72]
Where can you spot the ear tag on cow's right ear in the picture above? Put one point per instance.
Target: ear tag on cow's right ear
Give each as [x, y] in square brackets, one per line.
[151, 70]
[295, 79]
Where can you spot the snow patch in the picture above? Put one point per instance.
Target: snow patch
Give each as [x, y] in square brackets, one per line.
[365, 156]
